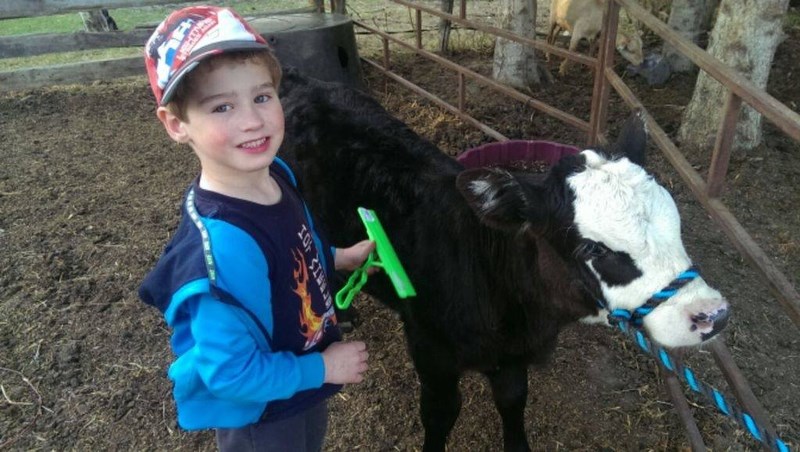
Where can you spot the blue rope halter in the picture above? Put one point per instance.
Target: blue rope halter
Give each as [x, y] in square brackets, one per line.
[636, 317]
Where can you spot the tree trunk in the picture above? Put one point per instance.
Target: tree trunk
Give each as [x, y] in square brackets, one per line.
[514, 63]
[691, 19]
[445, 26]
[745, 37]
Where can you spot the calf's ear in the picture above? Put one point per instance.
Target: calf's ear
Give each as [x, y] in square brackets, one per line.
[632, 139]
[500, 199]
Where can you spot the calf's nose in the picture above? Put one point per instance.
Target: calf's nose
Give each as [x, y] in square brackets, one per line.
[711, 323]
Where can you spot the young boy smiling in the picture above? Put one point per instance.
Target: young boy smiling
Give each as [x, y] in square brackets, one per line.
[244, 281]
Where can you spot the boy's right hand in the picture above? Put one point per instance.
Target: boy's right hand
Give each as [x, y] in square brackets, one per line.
[353, 257]
[345, 362]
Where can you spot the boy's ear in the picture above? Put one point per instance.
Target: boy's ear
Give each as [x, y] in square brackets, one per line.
[172, 124]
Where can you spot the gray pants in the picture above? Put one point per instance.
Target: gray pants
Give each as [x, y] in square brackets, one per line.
[303, 432]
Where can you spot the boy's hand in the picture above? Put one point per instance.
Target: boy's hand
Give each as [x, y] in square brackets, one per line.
[351, 258]
[345, 362]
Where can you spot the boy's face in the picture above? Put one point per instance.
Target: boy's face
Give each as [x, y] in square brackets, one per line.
[234, 120]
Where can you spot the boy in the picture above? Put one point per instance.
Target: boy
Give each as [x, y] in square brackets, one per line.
[244, 282]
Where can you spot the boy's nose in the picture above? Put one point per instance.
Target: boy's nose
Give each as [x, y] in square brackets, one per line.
[251, 118]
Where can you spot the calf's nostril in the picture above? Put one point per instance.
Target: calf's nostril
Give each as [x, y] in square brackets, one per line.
[720, 321]
[700, 318]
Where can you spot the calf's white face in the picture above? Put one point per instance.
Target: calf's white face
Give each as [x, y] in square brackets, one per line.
[631, 228]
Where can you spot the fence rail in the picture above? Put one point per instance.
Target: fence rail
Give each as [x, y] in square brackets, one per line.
[41, 44]
[12, 9]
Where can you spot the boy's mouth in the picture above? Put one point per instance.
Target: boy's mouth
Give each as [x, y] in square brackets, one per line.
[255, 146]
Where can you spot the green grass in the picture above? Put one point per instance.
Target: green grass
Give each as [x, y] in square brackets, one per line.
[43, 24]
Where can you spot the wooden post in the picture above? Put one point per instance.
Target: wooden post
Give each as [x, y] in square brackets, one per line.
[386, 65]
[98, 20]
[462, 102]
[338, 6]
[741, 389]
[722, 147]
[673, 388]
[605, 60]
[418, 29]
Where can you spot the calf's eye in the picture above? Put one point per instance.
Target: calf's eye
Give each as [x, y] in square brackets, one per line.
[589, 249]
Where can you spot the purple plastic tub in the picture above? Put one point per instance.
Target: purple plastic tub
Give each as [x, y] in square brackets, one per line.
[513, 151]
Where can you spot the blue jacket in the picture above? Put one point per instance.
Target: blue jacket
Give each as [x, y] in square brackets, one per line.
[250, 308]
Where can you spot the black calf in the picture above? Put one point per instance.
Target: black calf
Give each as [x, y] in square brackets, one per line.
[491, 296]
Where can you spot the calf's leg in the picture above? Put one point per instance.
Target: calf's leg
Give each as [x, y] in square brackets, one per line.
[440, 399]
[440, 403]
[510, 389]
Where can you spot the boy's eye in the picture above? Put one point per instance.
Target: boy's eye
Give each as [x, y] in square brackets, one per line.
[262, 98]
[222, 108]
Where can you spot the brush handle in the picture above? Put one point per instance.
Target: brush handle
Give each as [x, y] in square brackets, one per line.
[386, 254]
[345, 295]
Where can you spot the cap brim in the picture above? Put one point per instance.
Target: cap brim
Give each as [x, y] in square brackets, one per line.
[201, 54]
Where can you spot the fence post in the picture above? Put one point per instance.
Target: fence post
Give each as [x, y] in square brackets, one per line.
[462, 101]
[418, 30]
[722, 147]
[98, 20]
[741, 389]
[605, 59]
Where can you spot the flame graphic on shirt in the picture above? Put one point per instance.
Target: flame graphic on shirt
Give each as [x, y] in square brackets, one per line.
[310, 323]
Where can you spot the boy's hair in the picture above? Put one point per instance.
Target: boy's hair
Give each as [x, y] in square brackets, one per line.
[177, 105]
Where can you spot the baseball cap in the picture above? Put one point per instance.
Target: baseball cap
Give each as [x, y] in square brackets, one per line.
[187, 37]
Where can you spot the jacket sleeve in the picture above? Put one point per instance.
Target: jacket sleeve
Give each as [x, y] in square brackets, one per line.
[233, 367]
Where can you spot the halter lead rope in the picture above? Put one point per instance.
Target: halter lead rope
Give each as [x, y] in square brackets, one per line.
[723, 404]
[622, 317]
[636, 317]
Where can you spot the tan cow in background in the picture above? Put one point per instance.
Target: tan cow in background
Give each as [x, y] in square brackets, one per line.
[584, 19]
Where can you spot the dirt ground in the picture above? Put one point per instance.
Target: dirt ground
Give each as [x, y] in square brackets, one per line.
[89, 193]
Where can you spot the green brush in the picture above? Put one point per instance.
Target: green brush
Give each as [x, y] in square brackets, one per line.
[388, 261]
